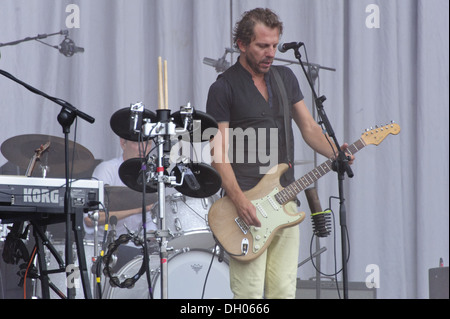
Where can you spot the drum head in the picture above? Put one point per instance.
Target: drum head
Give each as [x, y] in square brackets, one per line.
[187, 272]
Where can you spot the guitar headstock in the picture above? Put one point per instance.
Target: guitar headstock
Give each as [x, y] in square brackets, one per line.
[42, 149]
[379, 133]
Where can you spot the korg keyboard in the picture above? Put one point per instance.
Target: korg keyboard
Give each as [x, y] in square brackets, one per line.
[20, 195]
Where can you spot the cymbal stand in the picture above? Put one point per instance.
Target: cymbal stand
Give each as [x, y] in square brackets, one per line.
[163, 129]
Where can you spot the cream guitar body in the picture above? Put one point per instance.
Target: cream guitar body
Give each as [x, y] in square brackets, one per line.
[274, 204]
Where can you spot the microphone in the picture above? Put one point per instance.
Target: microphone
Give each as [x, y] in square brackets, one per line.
[320, 219]
[221, 65]
[68, 48]
[136, 111]
[283, 47]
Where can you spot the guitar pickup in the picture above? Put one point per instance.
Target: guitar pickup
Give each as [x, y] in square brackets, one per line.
[261, 210]
[274, 205]
[242, 225]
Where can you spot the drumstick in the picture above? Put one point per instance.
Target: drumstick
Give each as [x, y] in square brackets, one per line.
[160, 85]
[166, 97]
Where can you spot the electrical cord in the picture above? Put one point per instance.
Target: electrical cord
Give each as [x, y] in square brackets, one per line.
[209, 269]
[336, 272]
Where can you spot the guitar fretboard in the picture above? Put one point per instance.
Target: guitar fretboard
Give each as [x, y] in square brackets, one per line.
[289, 193]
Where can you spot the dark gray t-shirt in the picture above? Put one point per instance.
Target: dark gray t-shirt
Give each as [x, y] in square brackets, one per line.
[257, 133]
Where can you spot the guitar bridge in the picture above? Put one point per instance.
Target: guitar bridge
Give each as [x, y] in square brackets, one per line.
[242, 225]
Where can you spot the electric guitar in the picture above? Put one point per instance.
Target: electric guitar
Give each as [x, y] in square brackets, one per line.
[274, 204]
[37, 156]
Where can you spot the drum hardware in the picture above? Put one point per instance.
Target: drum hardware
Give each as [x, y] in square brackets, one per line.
[150, 173]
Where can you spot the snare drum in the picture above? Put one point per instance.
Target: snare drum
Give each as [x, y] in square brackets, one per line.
[187, 221]
[187, 274]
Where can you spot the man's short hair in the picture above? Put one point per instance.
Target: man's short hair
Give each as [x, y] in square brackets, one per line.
[244, 29]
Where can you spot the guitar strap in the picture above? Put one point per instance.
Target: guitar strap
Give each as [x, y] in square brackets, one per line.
[284, 104]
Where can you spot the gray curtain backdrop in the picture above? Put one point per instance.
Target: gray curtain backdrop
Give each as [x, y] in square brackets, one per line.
[391, 61]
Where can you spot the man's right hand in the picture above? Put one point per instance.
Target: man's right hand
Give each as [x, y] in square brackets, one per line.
[247, 211]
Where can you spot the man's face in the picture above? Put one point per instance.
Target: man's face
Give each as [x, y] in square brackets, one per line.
[130, 149]
[259, 54]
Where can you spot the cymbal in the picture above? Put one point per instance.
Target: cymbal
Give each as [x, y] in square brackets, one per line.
[205, 177]
[120, 123]
[131, 175]
[123, 198]
[197, 129]
[20, 149]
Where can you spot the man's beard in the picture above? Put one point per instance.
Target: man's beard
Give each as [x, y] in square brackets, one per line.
[255, 66]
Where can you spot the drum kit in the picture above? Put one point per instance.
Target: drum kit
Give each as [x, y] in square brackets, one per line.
[186, 251]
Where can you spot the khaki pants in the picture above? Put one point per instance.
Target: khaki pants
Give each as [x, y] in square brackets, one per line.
[273, 275]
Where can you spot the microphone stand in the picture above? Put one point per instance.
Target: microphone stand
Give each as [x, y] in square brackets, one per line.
[221, 65]
[340, 165]
[38, 37]
[66, 118]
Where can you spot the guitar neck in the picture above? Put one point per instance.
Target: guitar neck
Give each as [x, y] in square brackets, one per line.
[291, 191]
[31, 165]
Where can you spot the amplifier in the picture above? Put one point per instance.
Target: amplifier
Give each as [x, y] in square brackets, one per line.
[306, 289]
[438, 283]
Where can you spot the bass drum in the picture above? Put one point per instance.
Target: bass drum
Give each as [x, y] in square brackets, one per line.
[187, 272]
[187, 221]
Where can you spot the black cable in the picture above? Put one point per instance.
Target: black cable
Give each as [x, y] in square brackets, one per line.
[209, 269]
[336, 272]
